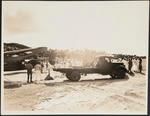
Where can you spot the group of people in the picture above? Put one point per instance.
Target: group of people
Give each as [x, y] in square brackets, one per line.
[132, 64]
[38, 69]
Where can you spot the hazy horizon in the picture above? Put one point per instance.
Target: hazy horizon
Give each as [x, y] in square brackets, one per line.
[113, 27]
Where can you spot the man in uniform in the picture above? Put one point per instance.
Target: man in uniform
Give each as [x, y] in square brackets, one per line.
[29, 68]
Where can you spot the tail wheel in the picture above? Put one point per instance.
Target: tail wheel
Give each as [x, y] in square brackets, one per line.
[74, 76]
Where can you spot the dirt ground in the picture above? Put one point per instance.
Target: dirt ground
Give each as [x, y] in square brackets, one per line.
[94, 93]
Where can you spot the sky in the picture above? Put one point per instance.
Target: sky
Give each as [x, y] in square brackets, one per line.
[112, 26]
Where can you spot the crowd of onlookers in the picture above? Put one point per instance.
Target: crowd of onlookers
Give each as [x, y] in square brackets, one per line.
[133, 64]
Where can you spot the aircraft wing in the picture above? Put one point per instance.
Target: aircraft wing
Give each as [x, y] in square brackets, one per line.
[25, 50]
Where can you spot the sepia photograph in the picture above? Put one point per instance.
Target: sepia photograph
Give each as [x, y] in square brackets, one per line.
[74, 57]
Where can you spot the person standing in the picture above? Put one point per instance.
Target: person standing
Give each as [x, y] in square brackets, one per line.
[135, 66]
[130, 64]
[125, 62]
[29, 68]
[47, 65]
[42, 67]
[140, 65]
[37, 68]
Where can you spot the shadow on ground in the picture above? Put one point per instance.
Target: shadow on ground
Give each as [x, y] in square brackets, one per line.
[14, 73]
[11, 85]
[102, 81]
[99, 82]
